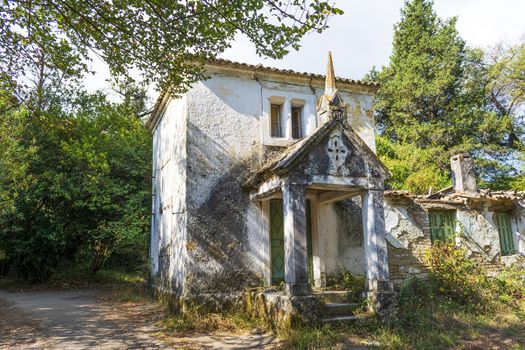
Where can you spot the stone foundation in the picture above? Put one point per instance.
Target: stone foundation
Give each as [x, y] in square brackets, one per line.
[281, 312]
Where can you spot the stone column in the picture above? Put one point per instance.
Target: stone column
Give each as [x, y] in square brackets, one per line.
[375, 249]
[295, 253]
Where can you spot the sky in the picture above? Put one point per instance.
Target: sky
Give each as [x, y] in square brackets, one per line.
[362, 37]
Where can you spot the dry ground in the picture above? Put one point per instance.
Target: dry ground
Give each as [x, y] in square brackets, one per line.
[85, 319]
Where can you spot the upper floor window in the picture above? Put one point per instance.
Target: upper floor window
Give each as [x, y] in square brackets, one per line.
[442, 225]
[296, 122]
[502, 221]
[286, 117]
[276, 120]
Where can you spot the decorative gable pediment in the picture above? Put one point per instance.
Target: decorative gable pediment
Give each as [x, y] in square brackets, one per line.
[338, 152]
[334, 149]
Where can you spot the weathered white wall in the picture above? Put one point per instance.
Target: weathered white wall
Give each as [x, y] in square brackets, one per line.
[340, 228]
[519, 227]
[223, 144]
[479, 225]
[168, 241]
[360, 116]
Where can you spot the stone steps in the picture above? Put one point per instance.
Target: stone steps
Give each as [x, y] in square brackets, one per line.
[345, 319]
[334, 296]
[339, 307]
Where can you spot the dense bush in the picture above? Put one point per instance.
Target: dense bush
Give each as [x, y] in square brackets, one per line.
[462, 279]
[74, 182]
[456, 275]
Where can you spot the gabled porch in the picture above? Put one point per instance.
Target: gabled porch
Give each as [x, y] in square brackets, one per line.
[292, 188]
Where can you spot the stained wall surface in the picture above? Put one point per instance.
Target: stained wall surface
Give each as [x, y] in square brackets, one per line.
[206, 234]
[168, 236]
[408, 234]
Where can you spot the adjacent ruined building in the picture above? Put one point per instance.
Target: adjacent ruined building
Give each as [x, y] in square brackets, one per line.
[265, 177]
[491, 225]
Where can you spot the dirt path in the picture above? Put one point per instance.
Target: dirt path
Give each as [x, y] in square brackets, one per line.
[72, 320]
[81, 319]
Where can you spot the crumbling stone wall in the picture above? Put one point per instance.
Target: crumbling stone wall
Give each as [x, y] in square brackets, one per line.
[408, 234]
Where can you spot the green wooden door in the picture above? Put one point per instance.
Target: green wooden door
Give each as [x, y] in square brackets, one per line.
[502, 221]
[277, 240]
[442, 223]
[309, 243]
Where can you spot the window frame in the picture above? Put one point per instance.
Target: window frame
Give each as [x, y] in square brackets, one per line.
[297, 122]
[279, 108]
[446, 231]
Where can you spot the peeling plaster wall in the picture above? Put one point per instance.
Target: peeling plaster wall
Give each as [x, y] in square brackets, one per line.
[226, 246]
[481, 228]
[168, 239]
[408, 234]
[341, 228]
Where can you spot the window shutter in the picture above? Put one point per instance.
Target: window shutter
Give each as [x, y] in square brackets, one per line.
[502, 221]
[442, 223]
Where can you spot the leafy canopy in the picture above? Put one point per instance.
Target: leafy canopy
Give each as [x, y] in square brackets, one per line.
[74, 185]
[160, 38]
[438, 98]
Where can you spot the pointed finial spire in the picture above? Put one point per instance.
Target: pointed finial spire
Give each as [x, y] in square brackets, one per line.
[329, 87]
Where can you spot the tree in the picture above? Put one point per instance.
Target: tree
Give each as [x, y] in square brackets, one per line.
[419, 89]
[84, 186]
[162, 39]
[414, 169]
[433, 96]
[505, 82]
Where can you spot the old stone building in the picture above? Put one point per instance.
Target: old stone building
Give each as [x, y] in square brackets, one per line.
[264, 177]
[489, 224]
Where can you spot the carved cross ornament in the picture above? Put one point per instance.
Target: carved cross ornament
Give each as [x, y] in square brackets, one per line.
[337, 150]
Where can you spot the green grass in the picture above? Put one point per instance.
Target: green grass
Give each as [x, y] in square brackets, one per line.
[209, 323]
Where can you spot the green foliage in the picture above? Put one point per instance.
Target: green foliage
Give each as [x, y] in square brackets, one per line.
[161, 39]
[455, 275]
[509, 285]
[355, 284]
[80, 189]
[418, 96]
[464, 281]
[414, 169]
[439, 96]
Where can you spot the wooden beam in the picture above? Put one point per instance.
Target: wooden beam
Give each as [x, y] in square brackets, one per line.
[335, 196]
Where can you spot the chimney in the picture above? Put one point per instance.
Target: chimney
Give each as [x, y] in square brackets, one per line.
[463, 176]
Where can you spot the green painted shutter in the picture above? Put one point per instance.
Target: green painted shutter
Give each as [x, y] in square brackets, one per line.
[502, 221]
[442, 224]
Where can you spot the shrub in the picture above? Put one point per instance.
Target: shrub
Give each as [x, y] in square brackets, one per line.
[509, 285]
[455, 275]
